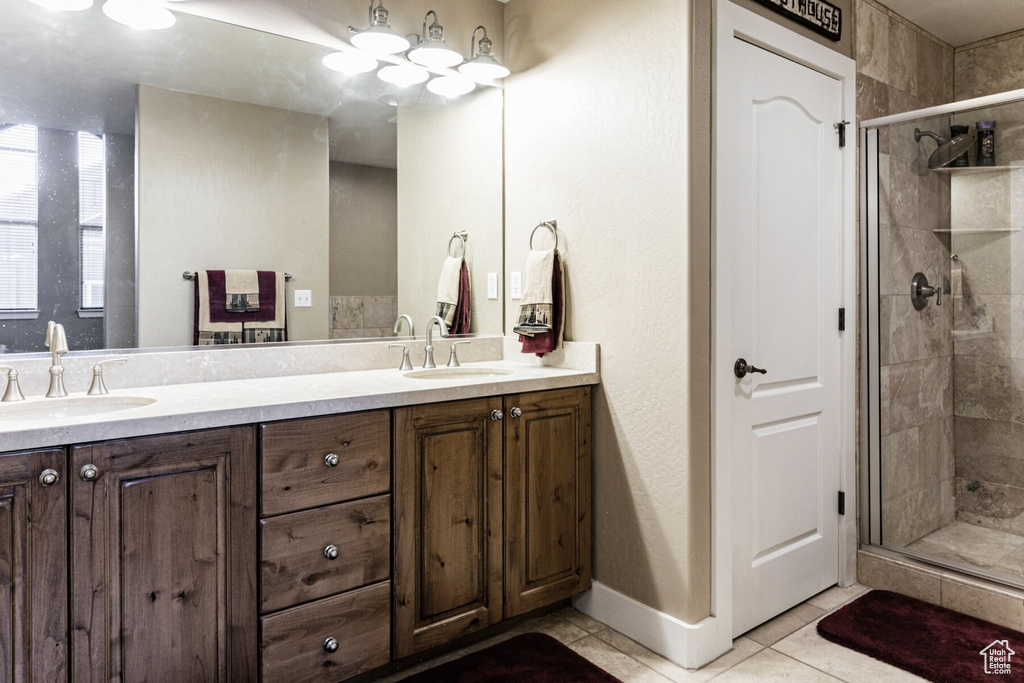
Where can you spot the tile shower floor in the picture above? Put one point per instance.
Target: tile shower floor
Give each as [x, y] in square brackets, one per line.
[976, 546]
[787, 648]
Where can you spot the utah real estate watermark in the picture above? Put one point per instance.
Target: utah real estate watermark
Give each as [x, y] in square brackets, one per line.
[997, 657]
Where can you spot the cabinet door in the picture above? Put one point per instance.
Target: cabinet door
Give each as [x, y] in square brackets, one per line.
[547, 498]
[33, 578]
[163, 558]
[448, 522]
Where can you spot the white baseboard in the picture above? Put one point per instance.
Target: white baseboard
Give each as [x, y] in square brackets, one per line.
[688, 645]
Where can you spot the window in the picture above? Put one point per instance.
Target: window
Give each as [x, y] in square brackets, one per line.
[91, 219]
[19, 215]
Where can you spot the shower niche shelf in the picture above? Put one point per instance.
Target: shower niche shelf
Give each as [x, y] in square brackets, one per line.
[975, 170]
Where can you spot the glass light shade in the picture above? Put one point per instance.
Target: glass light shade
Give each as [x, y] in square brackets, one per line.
[146, 15]
[484, 67]
[402, 74]
[350, 62]
[65, 5]
[380, 40]
[434, 54]
[451, 86]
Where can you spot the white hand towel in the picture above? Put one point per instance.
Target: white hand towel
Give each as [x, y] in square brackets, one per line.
[242, 291]
[448, 284]
[537, 278]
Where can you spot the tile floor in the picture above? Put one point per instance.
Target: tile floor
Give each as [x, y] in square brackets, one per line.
[787, 648]
[976, 546]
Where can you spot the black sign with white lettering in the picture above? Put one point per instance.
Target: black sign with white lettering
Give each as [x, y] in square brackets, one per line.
[821, 16]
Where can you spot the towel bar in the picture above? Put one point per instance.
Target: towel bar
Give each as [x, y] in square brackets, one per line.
[189, 275]
[551, 225]
[460, 235]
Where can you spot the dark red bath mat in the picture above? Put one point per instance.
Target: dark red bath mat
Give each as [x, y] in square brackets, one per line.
[930, 641]
[529, 658]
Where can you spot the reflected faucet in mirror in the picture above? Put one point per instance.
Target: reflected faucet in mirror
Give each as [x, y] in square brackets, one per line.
[57, 342]
[408, 323]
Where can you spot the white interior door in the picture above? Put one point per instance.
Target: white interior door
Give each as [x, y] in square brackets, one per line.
[781, 226]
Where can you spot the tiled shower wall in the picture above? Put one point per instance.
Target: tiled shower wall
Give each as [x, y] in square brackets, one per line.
[902, 68]
[359, 317]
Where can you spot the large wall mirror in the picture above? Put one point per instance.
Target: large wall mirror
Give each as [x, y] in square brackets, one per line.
[128, 158]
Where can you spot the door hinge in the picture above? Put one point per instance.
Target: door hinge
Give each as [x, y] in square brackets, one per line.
[841, 129]
[842, 319]
[842, 502]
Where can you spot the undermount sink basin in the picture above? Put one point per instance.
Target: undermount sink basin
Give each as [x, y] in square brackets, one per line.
[457, 373]
[70, 407]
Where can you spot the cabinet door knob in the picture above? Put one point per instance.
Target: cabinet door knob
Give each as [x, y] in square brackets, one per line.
[497, 415]
[516, 412]
[331, 552]
[331, 644]
[89, 473]
[49, 477]
[331, 459]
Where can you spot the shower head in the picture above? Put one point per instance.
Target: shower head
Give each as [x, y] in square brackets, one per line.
[947, 150]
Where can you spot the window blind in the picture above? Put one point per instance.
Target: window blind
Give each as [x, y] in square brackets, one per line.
[19, 213]
[91, 205]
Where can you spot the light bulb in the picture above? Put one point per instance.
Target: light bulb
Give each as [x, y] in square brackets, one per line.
[65, 5]
[350, 62]
[451, 86]
[379, 40]
[146, 15]
[402, 74]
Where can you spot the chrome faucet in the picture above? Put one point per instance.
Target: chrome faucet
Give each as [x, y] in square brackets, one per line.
[428, 360]
[408, 322]
[57, 342]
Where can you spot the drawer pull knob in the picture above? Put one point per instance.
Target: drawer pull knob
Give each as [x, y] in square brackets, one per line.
[331, 552]
[331, 644]
[49, 477]
[89, 473]
[516, 412]
[331, 459]
[497, 415]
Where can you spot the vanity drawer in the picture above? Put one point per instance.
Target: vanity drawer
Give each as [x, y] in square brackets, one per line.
[295, 468]
[296, 567]
[294, 643]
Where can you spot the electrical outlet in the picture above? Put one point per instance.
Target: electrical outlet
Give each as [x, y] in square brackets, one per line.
[517, 284]
[303, 298]
[492, 285]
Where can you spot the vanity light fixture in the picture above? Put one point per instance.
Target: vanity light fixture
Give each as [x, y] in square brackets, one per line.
[451, 86]
[146, 15]
[350, 62]
[483, 66]
[403, 75]
[65, 5]
[378, 38]
[430, 49]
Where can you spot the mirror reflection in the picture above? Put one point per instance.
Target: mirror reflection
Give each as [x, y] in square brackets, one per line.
[209, 146]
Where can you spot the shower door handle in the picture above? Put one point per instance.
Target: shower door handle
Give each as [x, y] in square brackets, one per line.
[741, 368]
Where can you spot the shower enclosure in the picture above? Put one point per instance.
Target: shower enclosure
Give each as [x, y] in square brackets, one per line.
[942, 304]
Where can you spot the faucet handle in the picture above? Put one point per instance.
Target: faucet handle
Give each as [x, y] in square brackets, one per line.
[406, 363]
[13, 392]
[453, 360]
[98, 387]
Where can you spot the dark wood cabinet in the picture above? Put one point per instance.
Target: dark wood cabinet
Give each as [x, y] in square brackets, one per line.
[33, 561]
[492, 512]
[163, 558]
[547, 498]
[448, 522]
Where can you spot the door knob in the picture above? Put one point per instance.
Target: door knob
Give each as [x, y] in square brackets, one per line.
[331, 552]
[741, 368]
[49, 477]
[331, 459]
[89, 473]
[331, 644]
[497, 415]
[516, 412]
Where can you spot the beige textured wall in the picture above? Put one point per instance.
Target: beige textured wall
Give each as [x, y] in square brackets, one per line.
[217, 181]
[450, 179]
[364, 230]
[600, 144]
[990, 66]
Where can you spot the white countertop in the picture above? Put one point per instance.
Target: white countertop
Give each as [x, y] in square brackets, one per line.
[204, 405]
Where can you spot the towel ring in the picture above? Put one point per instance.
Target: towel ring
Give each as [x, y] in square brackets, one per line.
[551, 225]
[461, 235]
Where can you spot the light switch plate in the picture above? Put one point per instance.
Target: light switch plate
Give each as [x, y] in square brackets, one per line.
[303, 298]
[492, 285]
[517, 284]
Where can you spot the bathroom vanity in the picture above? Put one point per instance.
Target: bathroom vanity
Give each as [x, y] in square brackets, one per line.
[363, 526]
